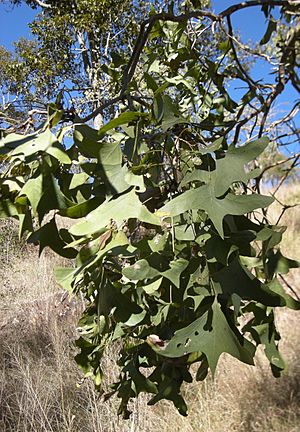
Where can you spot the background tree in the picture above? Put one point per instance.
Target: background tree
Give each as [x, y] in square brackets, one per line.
[77, 46]
[166, 254]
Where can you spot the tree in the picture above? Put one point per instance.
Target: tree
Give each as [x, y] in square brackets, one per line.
[170, 249]
[77, 46]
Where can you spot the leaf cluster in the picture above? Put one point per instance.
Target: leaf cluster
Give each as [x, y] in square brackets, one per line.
[169, 246]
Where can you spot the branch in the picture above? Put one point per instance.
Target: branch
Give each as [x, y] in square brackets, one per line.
[100, 109]
[145, 31]
[42, 4]
[141, 41]
[284, 135]
[279, 87]
[247, 78]
[234, 8]
[282, 180]
[293, 112]
[283, 161]
[290, 287]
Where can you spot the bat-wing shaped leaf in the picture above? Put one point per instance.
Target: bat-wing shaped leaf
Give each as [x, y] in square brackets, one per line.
[212, 335]
[127, 206]
[48, 235]
[203, 198]
[236, 279]
[231, 168]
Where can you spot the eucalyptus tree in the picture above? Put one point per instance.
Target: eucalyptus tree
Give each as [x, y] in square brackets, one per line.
[170, 244]
[75, 48]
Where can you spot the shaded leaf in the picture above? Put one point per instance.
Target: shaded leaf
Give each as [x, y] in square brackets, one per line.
[236, 279]
[212, 335]
[48, 235]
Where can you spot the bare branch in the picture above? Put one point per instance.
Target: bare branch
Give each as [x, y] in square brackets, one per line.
[282, 180]
[279, 87]
[234, 8]
[42, 4]
[290, 287]
[283, 161]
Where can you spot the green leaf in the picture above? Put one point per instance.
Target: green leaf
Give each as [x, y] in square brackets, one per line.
[177, 80]
[171, 115]
[127, 206]
[33, 189]
[277, 263]
[158, 107]
[59, 154]
[78, 180]
[272, 26]
[267, 336]
[64, 276]
[277, 288]
[25, 223]
[270, 236]
[83, 209]
[153, 287]
[202, 370]
[141, 383]
[156, 265]
[236, 279]
[13, 141]
[55, 114]
[110, 154]
[169, 388]
[151, 83]
[196, 175]
[124, 118]
[203, 198]
[225, 45]
[34, 143]
[231, 168]
[44, 195]
[119, 179]
[135, 319]
[48, 235]
[52, 197]
[87, 140]
[143, 270]
[7, 209]
[185, 232]
[213, 147]
[212, 335]
[111, 300]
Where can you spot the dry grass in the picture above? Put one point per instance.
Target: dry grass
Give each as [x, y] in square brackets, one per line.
[38, 387]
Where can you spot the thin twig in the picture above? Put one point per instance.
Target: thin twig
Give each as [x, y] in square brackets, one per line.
[287, 173]
[290, 287]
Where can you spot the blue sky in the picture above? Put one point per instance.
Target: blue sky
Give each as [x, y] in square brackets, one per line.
[14, 23]
[250, 22]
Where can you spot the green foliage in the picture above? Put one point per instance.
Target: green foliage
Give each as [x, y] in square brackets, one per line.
[171, 252]
[79, 47]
